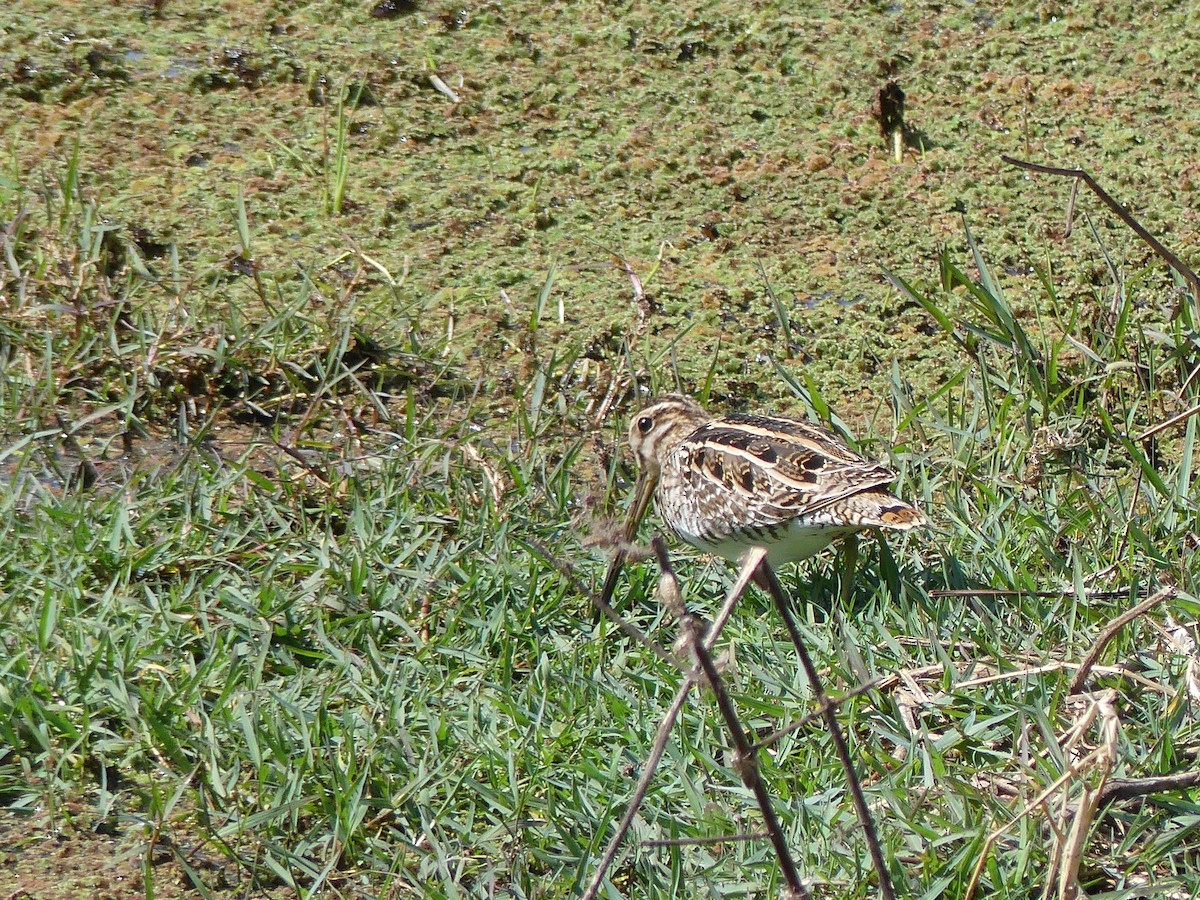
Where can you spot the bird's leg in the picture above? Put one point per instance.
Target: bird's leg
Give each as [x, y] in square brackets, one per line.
[849, 563]
[848, 559]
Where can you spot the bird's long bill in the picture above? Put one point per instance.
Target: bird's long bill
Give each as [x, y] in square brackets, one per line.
[643, 493]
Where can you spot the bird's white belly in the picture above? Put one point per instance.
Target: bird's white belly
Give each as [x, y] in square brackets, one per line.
[787, 543]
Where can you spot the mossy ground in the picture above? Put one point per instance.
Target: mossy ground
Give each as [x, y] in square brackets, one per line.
[438, 179]
[721, 150]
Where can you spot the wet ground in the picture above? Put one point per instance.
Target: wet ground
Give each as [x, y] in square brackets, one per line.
[495, 163]
[722, 153]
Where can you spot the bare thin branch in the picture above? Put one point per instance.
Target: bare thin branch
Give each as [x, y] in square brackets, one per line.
[706, 841]
[1128, 788]
[1072, 771]
[775, 736]
[664, 731]
[746, 763]
[1156, 245]
[639, 792]
[1163, 426]
[771, 582]
[1110, 631]
[1005, 592]
[565, 569]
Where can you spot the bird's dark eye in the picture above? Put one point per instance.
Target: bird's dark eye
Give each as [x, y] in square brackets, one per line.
[645, 423]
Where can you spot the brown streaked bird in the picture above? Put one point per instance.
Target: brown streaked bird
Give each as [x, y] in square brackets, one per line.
[739, 481]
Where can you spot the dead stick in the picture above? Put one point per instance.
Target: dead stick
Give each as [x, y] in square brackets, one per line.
[639, 791]
[1007, 592]
[826, 708]
[601, 602]
[1172, 260]
[835, 702]
[746, 762]
[664, 729]
[1162, 426]
[1067, 873]
[1110, 632]
[706, 841]
[746, 759]
[1128, 788]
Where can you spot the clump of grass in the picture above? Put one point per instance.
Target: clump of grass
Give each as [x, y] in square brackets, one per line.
[305, 633]
[336, 158]
[1063, 501]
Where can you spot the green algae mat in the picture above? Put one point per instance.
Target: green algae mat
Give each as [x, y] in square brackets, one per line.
[723, 153]
[320, 322]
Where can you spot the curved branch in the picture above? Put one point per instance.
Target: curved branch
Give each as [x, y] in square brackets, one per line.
[1171, 259]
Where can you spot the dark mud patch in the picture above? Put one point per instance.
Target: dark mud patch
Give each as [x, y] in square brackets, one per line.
[67, 857]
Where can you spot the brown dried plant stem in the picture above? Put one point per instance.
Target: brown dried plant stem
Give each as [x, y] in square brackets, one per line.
[668, 722]
[1063, 869]
[1085, 668]
[639, 791]
[1069, 847]
[775, 736]
[706, 841]
[1128, 788]
[601, 601]
[745, 759]
[769, 580]
[1156, 245]
[746, 762]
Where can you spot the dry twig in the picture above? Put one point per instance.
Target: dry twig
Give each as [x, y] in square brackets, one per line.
[1110, 631]
[1105, 707]
[601, 602]
[664, 728]
[694, 636]
[1128, 788]
[826, 708]
[745, 757]
[1156, 245]
[1069, 853]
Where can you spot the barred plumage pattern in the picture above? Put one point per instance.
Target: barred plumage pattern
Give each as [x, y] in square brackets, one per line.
[726, 484]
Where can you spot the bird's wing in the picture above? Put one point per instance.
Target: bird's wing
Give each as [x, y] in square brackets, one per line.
[783, 468]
